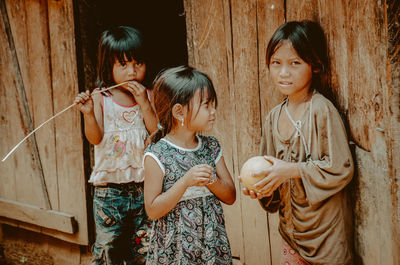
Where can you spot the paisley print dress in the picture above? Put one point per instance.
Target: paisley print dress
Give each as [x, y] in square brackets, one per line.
[194, 231]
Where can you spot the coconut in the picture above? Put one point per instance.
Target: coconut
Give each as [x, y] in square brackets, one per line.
[251, 171]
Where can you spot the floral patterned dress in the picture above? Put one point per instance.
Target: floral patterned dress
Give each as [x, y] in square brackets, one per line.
[119, 155]
[194, 231]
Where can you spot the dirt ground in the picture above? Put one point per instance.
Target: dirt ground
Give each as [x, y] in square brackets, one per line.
[16, 252]
[23, 247]
[19, 246]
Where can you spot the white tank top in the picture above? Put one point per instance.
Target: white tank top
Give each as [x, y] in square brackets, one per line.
[118, 157]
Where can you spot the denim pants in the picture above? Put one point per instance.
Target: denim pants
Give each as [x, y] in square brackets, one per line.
[121, 224]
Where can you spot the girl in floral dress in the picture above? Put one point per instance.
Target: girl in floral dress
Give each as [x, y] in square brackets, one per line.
[185, 174]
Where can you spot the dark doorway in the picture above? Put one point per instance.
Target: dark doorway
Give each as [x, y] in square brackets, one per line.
[162, 24]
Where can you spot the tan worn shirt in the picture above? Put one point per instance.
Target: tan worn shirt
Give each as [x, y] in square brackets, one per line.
[314, 215]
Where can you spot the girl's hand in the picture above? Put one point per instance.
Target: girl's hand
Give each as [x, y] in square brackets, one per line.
[198, 175]
[279, 172]
[251, 193]
[139, 92]
[84, 102]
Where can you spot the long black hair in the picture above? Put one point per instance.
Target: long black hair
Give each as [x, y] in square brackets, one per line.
[308, 39]
[119, 43]
[178, 85]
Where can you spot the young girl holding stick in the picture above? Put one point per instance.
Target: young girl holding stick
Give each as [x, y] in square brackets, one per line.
[305, 140]
[186, 176]
[117, 123]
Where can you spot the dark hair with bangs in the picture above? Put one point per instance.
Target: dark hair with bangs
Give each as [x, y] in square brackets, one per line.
[308, 39]
[119, 43]
[178, 85]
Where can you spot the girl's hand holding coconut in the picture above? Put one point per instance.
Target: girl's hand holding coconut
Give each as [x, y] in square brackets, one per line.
[261, 176]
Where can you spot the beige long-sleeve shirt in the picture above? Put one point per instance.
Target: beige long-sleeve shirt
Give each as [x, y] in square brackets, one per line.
[315, 218]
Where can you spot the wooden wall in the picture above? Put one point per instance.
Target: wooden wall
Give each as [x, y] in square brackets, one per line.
[42, 183]
[227, 40]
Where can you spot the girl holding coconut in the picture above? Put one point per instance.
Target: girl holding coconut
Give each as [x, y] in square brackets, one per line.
[305, 141]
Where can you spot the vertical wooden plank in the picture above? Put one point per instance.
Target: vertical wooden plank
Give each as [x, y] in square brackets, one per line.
[393, 98]
[38, 64]
[10, 122]
[302, 9]
[227, 132]
[270, 15]
[248, 126]
[14, 17]
[373, 208]
[69, 142]
[17, 30]
[209, 36]
[190, 30]
[16, 11]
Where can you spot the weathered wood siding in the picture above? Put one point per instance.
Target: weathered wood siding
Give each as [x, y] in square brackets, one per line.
[44, 178]
[228, 39]
[42, 183]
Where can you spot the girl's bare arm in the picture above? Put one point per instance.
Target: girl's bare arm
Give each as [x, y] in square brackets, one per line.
[149, 116]
[223, 188]
[90, 106]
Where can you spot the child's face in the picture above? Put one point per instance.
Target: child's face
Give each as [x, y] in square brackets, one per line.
[128, 71]
[202, 114]
[289, 72]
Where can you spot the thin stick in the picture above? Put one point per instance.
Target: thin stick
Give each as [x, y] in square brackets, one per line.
[59, 113]
[108, 88]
